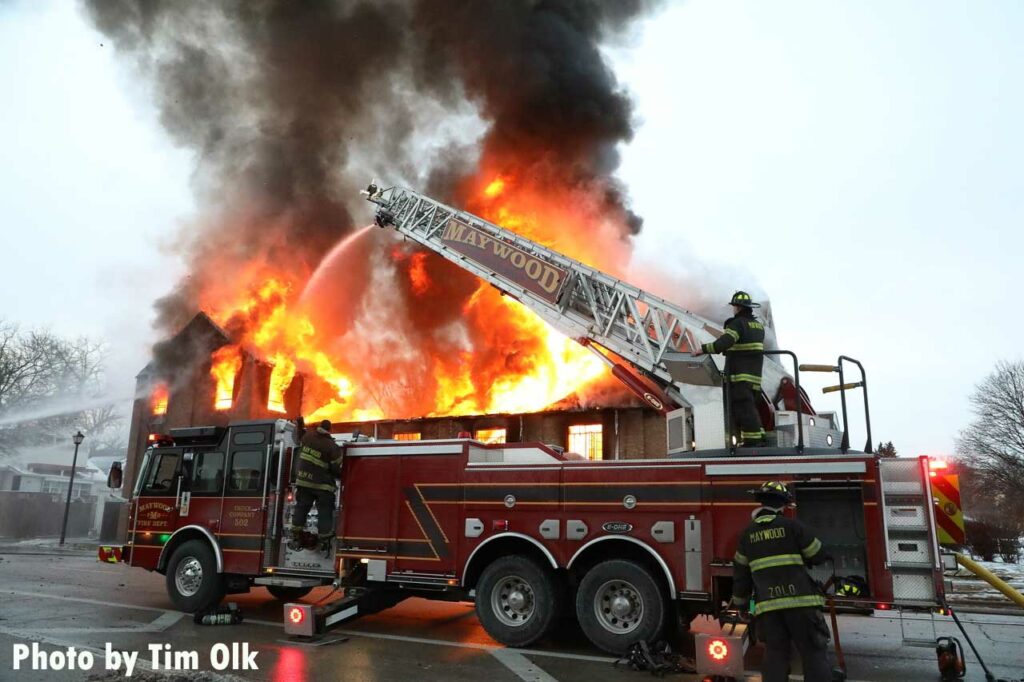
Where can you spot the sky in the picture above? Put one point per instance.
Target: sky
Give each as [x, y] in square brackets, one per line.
[857, 162]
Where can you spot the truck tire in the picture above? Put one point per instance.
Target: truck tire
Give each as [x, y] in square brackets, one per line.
[618, 604]
[192, 579]
[517, 601]
[286, 594]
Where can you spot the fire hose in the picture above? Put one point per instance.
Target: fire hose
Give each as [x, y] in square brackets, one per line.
[991, 578]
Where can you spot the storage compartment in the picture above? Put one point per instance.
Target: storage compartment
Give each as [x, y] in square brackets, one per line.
[836, 514]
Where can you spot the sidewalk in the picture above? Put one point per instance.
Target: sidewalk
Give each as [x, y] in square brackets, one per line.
[48, 546]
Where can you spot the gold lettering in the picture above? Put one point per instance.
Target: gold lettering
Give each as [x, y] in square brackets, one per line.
[534, 269]
[501, 249]
[549, 280]
[518, 259]
[454, 231]
[483, 241]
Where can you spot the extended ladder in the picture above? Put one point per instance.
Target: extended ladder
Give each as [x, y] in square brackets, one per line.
[585, 304]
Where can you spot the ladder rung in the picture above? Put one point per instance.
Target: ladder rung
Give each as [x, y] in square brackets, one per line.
[918, 641]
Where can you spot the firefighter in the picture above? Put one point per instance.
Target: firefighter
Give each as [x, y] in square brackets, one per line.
[743, 344]
[319, 465]
[770, 562]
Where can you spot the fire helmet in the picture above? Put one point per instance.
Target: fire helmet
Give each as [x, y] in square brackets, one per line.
[742, 298]
[851, 586]
[325, 425]
[772, 493]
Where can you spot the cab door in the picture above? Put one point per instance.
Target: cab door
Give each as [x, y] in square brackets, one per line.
[202, 489]
[243, 513]
[154, 514]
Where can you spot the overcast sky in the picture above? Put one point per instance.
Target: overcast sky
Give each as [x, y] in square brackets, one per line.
[860, 162]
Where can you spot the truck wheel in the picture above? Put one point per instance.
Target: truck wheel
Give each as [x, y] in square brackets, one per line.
[618, 604]
[286, 594]
[517, 601]
[192, 579]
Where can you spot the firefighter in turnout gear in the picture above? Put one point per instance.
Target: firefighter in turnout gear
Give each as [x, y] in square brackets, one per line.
[743, 344]
[318, 467]
[769, 565]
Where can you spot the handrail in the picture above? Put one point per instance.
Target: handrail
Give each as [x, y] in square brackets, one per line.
[799, 396]
[863, 384]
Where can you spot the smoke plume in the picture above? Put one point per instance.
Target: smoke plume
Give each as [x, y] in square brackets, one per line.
[290, 107]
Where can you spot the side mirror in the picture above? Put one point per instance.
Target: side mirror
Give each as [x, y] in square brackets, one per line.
[115, 476]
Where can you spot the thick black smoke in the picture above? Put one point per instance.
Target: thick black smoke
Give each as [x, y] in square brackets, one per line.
[535, 71]
[275, 97]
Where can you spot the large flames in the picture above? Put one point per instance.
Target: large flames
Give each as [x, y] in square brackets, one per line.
[506, 358]
[224, 366]
[158, 399]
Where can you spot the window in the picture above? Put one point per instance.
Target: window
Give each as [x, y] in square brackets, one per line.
[587, 440]
[492, 436]
[208, 473]
[408, 436]
[246, 473]
[249, 438]
[163, 468]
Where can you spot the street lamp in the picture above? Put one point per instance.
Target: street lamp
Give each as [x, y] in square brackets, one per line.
[77, 438]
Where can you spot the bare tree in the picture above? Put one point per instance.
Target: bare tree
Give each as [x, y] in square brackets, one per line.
[993, 444]
[50, 386]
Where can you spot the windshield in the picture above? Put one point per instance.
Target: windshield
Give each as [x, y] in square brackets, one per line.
[142, 472]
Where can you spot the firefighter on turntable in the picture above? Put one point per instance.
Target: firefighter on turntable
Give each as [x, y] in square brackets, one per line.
[316, 476]
[743, 344]
[769, 565]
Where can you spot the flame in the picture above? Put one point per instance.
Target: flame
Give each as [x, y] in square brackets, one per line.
[158, 400]
[280, 379]
[494, 188]
[226, 361]
[495, 356]
[418, 273]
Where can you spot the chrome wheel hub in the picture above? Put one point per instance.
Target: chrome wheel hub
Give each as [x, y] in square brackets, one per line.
[512, 601]
[618, 606]
[188, 577]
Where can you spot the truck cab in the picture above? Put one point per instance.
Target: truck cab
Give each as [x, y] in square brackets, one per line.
[206, 511]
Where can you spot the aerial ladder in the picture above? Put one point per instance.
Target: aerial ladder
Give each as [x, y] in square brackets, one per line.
[645, 340]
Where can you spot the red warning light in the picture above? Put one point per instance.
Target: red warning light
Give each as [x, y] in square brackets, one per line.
[883, 607]
[296, 615]
[935, 465]
[718, 649]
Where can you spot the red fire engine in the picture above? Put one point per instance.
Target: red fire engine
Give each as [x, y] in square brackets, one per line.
[524, 530]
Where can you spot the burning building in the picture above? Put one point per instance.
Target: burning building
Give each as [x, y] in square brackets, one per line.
[202, 376]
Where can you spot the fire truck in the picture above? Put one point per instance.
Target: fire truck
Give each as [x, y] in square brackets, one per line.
[528, 532]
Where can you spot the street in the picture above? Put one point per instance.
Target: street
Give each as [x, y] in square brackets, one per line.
[71, 600]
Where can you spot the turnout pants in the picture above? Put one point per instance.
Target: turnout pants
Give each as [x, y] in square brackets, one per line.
[806, 629]
[305, 498]
[743, 411]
